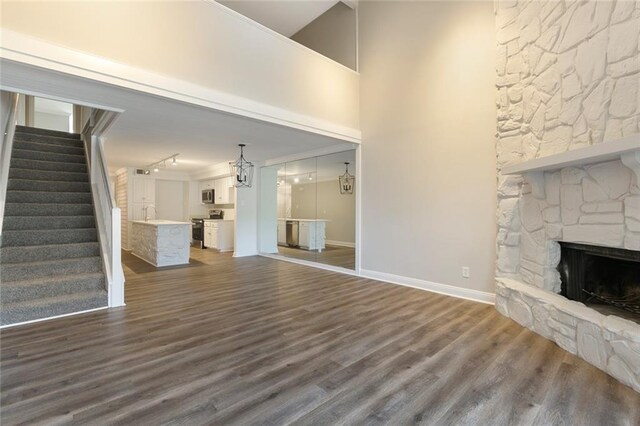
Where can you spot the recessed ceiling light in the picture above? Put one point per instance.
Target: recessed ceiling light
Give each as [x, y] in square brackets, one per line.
[174, 162]
[296, 180]
[156, 169]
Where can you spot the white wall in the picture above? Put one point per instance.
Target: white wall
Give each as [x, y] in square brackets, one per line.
[198, 43]
[269, 199]
[246, 232]
[45, 120]
[170, 195]
[428, 156]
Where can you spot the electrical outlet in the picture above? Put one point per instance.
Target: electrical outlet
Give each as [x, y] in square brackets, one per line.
[465, 272]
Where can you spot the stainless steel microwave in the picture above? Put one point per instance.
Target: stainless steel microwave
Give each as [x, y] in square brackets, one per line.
[208, 196]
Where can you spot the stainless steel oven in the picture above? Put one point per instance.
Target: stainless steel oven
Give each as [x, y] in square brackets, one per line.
[197, 233]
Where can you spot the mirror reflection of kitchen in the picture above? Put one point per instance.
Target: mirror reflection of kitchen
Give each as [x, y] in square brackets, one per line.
[316, 209]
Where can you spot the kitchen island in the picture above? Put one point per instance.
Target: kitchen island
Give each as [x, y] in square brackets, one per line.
[161, 242]
[307, 234]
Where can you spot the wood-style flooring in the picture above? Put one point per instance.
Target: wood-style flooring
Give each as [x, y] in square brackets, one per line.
[344, 257]
[259, 341]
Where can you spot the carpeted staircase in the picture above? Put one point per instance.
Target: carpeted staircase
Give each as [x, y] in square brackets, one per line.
[50, 262]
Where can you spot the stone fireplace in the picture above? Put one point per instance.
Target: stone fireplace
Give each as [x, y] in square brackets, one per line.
[568, 157]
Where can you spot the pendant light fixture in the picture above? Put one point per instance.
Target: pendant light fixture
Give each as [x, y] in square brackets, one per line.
[347, 181]
[242, 170]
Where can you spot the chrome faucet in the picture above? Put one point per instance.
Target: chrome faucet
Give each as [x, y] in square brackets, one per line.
[146, 211]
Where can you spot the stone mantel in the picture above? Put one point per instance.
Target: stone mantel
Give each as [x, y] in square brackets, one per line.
[626, 149]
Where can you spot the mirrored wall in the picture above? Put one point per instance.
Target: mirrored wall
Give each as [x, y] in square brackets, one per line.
[308, 209]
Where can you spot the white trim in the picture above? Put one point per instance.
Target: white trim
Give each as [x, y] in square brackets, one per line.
[447, 290]
[340, 243]
[54, 317]
[28, 50]
[279, 36]
[311, 264]
[358, 189]
[334, 149]
[72, 101]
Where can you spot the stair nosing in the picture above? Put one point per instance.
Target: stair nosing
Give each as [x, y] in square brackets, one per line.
[35, 149]
[46, 171]
[52, 261]
[48, 192]
[54, 299]
[30, 131]
[45, 280]
[57, 153]
[47, 230]
[45, 161]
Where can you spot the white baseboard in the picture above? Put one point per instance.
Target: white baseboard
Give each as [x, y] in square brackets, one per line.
[311, 264]
[340, 243]
[51, 318]
[448, 290]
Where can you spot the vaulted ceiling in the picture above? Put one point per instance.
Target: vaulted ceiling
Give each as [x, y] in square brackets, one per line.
[284, 16]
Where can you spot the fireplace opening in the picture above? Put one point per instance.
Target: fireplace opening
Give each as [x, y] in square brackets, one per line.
[604, 278]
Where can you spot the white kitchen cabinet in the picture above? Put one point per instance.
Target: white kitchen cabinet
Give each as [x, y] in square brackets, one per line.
[218, 234]
[311, 235]
[144, 190]
[223, 187]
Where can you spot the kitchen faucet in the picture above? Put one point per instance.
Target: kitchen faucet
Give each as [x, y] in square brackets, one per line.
[146, 211]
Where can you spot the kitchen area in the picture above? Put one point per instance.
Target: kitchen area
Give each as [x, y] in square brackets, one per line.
[308, 210]
[167, 216]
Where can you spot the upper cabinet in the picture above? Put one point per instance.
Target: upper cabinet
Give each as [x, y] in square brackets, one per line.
[144, 190]
[223, 187]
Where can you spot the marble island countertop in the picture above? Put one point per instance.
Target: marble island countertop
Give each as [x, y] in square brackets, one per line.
[160, 222]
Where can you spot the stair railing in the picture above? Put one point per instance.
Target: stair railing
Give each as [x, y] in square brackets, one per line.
[5, 151]
[107, 213]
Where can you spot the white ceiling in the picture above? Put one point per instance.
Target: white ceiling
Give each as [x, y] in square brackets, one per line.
[284, 16]
[152, 128]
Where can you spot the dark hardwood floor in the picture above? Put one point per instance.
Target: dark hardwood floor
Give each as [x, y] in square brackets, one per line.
[344, 257]
[259, 341]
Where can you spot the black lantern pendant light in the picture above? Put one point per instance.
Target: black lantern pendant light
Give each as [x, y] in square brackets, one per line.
[242, 170]
[347, 181]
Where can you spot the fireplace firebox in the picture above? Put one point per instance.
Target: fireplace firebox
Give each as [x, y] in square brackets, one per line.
[602, 276]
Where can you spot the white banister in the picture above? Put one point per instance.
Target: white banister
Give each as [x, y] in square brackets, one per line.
[107, 214]
[5, 151]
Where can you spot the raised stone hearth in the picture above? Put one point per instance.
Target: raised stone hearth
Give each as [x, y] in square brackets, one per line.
[608, 342]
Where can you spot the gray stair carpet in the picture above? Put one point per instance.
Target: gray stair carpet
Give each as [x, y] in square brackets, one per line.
[50, 261]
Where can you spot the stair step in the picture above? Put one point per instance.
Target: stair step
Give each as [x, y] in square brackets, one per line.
[47, 156]
[16, 173]
[49, 268]
[20, 254]
[47, 186]
[48, 209]
[48, 197]
[15, 223]
[47, 132]
[46, 147]
[22, 291]
[52, 306]
[49, 140]
[42, 237]
[55, 166]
